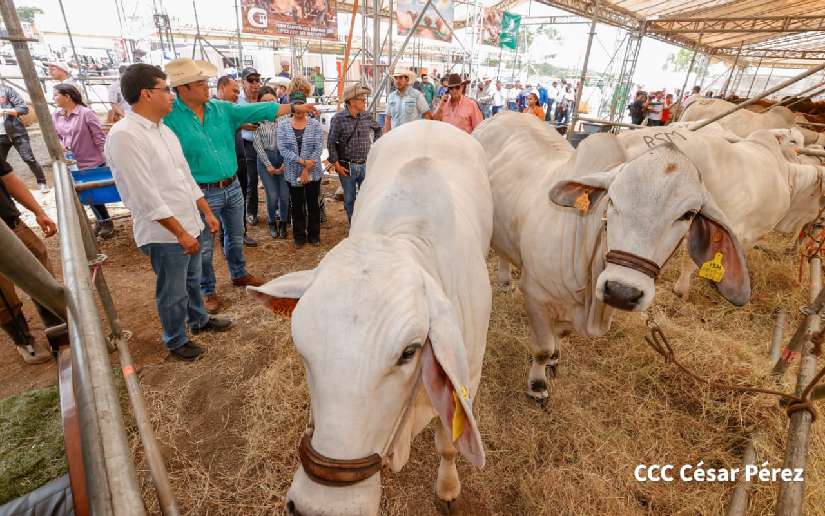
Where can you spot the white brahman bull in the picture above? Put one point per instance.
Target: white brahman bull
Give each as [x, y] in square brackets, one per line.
[744, 122]
[392, 323]
[751, 179]
[599, 241]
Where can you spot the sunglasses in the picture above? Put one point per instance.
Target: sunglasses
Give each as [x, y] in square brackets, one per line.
[257, 79]
[454, 88]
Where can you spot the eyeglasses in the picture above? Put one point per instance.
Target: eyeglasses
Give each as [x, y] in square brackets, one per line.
[258, 79]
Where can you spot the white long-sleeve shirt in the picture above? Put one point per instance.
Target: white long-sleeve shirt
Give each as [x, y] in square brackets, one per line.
[153, 178]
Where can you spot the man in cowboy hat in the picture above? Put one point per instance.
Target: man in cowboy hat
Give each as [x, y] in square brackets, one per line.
[206, 130]
[406, 103]
[349, 142]
[456, 109]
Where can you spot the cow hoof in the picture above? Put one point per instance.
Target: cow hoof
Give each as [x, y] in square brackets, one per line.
[447, 507]
[505, 286]
[538, 392]
[552, 365]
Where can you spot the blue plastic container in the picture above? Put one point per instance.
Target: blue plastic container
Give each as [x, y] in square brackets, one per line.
[104, 195]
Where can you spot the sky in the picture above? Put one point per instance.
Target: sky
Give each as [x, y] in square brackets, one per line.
[221, 14]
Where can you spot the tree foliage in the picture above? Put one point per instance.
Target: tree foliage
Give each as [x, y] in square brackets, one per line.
[27, 14]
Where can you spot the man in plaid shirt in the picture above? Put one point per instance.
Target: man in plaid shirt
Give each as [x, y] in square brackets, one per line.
[349, 142]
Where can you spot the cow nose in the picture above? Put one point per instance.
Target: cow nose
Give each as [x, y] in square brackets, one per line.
[621, 296]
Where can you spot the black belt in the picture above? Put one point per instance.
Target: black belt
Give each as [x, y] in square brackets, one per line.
[12, 224]
[223, 183]
[353, 162]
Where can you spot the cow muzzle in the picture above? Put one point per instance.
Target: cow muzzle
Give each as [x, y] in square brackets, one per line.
[627, 283]
[308, 497]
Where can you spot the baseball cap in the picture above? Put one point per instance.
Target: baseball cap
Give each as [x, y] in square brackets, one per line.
[249, 71]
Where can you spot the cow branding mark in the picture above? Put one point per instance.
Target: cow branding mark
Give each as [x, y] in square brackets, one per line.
[670, 167]
[663, 137]
[713, 270]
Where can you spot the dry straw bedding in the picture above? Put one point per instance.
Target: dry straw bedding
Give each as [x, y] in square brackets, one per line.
[229, 424]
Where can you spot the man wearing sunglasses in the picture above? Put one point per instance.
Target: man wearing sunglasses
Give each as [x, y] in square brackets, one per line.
[456, 109]
[206, 130]
[249, 176]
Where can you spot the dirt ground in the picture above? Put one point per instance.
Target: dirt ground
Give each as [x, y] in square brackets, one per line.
[229, 424]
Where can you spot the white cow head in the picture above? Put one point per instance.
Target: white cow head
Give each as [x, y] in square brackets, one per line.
[653, 201]
[807, 191]
[376, 333]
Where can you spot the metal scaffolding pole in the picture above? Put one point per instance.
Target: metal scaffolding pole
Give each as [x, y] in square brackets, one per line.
[238, 34]
[732, 70]
[575, 117]
[759, 65]
[376, 48]
[74, 51]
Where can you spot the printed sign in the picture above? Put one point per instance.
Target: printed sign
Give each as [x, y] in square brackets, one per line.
[510, 24]
[304, 18]
[431, 26]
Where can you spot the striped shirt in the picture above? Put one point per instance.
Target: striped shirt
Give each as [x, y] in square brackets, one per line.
[265, 139]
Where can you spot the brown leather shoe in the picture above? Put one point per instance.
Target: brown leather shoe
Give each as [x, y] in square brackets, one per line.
[248, 281]
[211, 303]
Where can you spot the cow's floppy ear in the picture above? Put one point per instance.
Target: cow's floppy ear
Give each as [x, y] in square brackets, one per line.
[716, 250]
[282, 294]
[446, 375]
[582, 192]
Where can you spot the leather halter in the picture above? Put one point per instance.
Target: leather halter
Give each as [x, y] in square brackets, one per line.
[632, 261]
[342, 473]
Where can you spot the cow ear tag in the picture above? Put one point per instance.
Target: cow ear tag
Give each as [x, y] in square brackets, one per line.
[583, 202]
[459, 418]
[713, 270]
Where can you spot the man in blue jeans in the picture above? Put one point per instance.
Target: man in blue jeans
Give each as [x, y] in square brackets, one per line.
[206, 131]
[155, 183]
[349, 142]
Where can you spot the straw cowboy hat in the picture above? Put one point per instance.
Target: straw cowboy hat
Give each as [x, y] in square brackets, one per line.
[404, 71]
[356, 90]
[454, 80]
[184, 71]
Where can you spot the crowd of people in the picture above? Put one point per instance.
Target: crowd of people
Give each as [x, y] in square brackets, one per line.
[187, 165]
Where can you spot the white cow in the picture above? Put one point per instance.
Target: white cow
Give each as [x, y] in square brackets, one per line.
[599, 243]
[751, 179]
[744, 122]
[392, 323]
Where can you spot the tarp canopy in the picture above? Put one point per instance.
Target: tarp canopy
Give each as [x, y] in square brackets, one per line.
[780, 33]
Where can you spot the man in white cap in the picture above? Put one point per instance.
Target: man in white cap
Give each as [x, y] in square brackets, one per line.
[206, 130]
[406, 103]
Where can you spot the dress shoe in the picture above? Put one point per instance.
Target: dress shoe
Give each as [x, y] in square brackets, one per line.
[211, 303]
[248, 281]
[188, 352]
[214, 324]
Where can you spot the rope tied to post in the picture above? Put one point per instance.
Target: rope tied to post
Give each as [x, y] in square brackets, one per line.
[812, 240]
[658, 341]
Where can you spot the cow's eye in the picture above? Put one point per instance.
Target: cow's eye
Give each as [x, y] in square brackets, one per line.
[408, 354]
[688, 215]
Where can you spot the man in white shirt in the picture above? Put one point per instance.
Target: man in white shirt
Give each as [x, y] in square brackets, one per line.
[498, 98]
[155, 183]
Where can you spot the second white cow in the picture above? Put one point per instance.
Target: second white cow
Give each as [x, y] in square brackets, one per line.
[598, 242]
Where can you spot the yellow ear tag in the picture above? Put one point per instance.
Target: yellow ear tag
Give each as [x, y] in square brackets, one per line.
[713, 270]
[459, 418]
[583, 202]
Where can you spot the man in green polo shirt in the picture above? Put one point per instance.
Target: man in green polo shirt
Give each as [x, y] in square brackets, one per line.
[206, 130]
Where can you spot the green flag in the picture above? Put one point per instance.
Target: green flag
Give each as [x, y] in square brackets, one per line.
[508, 37]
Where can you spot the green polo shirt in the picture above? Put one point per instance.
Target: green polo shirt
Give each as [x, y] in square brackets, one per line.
[209, 147]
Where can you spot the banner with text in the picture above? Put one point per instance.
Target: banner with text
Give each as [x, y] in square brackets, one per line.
[303, 18]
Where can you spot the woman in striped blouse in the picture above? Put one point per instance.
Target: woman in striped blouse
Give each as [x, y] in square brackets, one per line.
[300, 143]
[271, 169]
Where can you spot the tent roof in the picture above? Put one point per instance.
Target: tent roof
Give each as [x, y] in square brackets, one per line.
[780, 33]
